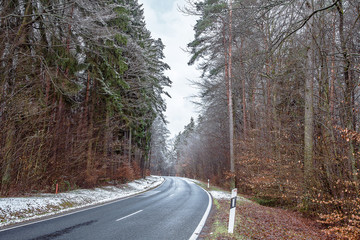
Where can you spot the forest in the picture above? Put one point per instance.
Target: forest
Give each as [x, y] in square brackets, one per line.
[82, 88]
[291, 72]
[81, 83]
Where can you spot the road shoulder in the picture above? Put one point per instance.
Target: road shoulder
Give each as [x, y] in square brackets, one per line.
[17, 211]
[254, 221]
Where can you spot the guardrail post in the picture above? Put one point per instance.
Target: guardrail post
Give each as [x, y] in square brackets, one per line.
[232, 211]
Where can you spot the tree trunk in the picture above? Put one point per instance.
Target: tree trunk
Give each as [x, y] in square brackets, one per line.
[349, 92]
[8, 158]
[107, 130]
[309, 117]
[129, 146]
[230, 105]
[243, 85]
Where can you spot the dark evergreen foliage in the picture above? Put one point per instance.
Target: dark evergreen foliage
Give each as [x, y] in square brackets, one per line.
[81, 83]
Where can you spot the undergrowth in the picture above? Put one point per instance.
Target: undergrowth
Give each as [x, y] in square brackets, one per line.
[253, 220]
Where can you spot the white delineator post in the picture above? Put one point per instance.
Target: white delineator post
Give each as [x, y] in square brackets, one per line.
[232, 211]
[208, 183]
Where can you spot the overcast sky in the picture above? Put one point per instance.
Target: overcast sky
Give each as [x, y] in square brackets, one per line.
[176, 30]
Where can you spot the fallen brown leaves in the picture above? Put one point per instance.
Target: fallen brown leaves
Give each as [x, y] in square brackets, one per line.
[254, 221]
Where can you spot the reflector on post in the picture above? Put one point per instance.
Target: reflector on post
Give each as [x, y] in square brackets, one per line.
[232, 211]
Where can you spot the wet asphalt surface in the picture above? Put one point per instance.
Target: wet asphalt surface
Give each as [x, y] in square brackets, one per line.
[171, 211]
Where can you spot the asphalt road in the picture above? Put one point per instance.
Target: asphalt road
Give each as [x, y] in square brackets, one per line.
[172, 211]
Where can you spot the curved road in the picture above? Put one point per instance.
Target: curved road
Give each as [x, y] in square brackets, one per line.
[171, 211]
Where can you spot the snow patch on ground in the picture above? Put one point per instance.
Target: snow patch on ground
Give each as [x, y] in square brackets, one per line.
[14, 210]
[220, 195]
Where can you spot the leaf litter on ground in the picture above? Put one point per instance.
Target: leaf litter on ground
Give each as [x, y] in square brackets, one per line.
[254, 221]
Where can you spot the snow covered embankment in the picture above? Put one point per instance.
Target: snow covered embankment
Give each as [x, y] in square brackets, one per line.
[14, 210]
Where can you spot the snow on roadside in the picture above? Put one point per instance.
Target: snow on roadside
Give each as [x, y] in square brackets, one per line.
[220, 195]
[14, 210]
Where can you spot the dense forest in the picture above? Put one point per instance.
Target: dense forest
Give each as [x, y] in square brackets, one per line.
[291, 70]
[81, 100]
[81, 83]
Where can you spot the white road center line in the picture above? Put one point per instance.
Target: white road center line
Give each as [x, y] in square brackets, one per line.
[129, 215]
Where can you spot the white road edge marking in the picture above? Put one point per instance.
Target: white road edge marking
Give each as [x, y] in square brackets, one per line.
[129, 215]
[197, 231]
